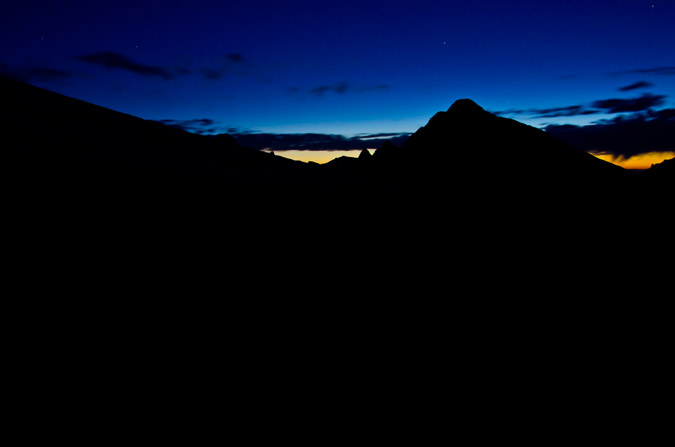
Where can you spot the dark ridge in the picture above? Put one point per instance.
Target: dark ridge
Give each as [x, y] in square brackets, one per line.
[662, 174]
[666, 166]
[465, 184]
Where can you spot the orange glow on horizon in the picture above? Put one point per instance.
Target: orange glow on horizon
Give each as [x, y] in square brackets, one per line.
[642, 161]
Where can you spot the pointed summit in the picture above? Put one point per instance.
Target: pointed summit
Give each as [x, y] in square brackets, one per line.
[465, 106]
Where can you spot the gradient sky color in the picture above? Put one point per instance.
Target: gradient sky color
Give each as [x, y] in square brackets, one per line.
[342, 67]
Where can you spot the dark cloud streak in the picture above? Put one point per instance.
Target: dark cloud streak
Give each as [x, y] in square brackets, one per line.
[341, 88]
[635, 86]
[200, 125]
[553, 112]
[642, 103]
[113, 60]
[235, 58]
[613, 105]
[623, 136]
[661, 71]
[313, 141]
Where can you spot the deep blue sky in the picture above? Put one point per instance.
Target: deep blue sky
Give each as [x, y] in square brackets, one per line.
[343, 67]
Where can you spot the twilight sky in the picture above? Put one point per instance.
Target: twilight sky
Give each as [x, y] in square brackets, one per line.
[349, 67]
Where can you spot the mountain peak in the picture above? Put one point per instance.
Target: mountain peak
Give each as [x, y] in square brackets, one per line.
[465, 106]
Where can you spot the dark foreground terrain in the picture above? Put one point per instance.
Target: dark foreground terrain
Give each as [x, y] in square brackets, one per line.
[469, 192]
[483, 264]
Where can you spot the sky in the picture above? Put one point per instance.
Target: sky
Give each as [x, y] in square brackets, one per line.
[352, 69]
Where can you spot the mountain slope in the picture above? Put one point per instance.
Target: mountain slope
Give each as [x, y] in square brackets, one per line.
[467, 139]
[120, 190]
[48, 135]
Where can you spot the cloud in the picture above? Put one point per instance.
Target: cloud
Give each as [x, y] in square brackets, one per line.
[235, 58]
[635, 86]
[553, 112]
[231, 63]
[113, 60]
[200, 125]
[661, 71]
[623, 136]
[313, 141]
[341, 88]
[614, 105]
[368, 136]
[564, 111]
[644, 102]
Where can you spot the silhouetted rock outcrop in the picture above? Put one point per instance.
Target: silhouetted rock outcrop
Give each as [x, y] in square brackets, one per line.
[365, 155]
[660, 177]
[666, 167]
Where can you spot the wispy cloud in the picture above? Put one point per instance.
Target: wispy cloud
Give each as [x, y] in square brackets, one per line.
[619, 105]
[235, 58]
[613, 105]
[661, 71]
[623, 136]
[313, 141]
[340, 88]
[199, 125]
[635, 86]
[231, 63]
[113, 60]
[552, 112]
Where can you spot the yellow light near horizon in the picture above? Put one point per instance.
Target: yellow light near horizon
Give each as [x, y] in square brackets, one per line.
[642, 161]
[318, 156]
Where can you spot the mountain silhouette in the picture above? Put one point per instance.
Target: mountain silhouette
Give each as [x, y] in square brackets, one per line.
[63, 142]
[100, 200]
[56, 140]
[63, 155]
[468, 145]
[664, 170]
